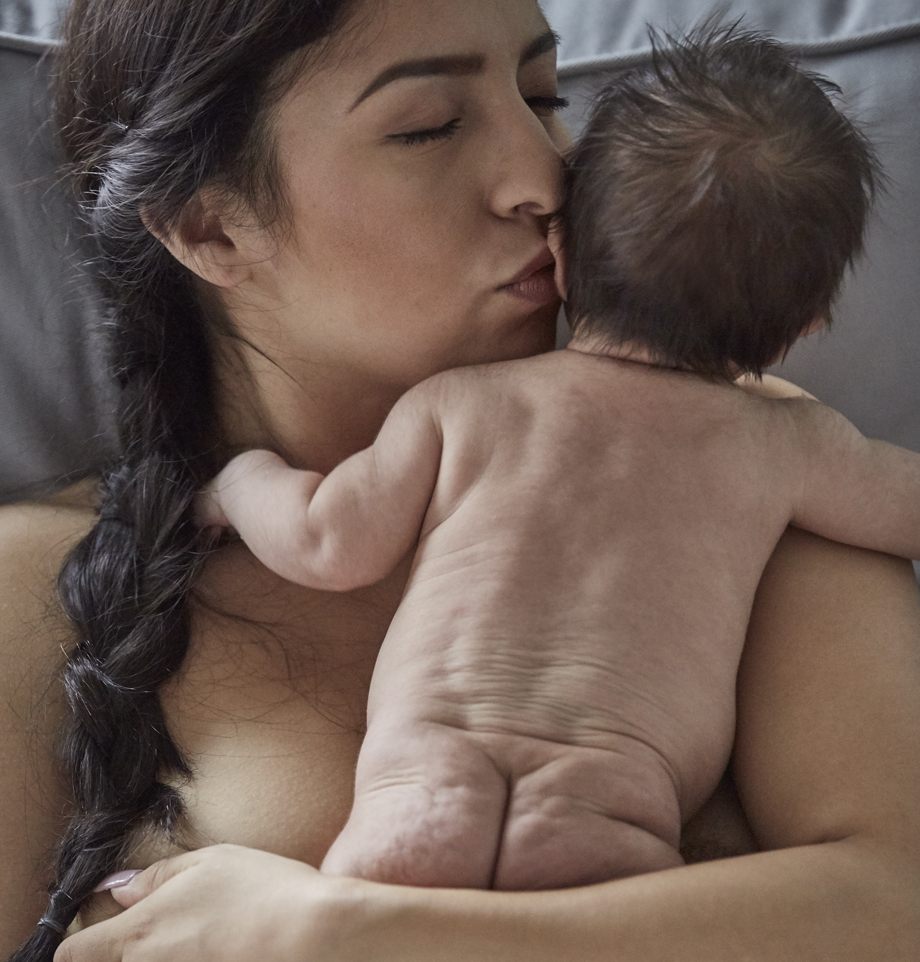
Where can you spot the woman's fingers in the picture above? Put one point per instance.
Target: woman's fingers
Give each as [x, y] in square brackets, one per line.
[87, 946]
[139, 886]
[225, 904]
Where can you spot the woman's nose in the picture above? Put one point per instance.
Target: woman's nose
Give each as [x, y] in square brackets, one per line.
[528, 169]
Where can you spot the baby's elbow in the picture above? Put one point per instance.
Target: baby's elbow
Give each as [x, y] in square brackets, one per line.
[329, 564]
[333, 553]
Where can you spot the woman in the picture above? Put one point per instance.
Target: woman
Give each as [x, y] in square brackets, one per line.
[303, 210]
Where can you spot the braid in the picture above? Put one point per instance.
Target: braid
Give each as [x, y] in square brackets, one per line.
[125, 589]
[156, 99]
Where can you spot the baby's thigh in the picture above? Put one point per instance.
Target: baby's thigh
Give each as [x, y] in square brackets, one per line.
[428, 810]
[587, 816]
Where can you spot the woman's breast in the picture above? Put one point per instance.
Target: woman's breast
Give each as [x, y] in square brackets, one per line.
[270, 706]
[269, 709]
[277, 777]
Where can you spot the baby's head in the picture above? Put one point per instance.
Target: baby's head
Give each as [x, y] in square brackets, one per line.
[713, 205]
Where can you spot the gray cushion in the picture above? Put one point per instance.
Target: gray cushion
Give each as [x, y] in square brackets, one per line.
[36, 18]
[50, 383]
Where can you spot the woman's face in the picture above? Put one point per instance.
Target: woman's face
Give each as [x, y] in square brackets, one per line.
[421, 161]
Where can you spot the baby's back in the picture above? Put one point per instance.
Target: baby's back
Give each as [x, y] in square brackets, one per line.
[588, 560]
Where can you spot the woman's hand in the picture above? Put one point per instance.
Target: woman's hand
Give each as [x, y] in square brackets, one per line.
[227, 904]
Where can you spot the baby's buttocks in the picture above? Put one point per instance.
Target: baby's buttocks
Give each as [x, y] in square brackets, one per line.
[588, 816]
[441, 806]
[627, 781]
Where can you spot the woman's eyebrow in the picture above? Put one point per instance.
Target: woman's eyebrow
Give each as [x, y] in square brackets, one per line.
[543, 44]
[457, 65]
[427, 67]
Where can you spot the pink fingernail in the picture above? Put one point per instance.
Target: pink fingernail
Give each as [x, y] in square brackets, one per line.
[117, 880]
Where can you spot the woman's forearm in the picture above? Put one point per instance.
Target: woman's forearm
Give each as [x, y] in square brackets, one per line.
[844, 901]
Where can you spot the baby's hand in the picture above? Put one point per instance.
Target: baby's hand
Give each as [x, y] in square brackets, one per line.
[207, 510]
[233, 484]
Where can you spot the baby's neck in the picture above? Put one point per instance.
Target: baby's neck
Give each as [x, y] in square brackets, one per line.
[603, 347]
[624, 351]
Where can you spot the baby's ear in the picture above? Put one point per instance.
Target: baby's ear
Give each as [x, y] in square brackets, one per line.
[554, 239]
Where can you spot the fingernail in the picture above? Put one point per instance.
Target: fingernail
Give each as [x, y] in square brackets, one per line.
[117, 880]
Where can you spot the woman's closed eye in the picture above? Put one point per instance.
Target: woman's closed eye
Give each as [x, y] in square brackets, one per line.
[413, 138]
[546, 104]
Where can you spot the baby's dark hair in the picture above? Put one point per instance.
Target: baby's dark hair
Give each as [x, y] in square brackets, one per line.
[714, 203]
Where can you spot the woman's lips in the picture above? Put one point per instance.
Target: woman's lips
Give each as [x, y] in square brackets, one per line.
[538, 287]
[536, 283]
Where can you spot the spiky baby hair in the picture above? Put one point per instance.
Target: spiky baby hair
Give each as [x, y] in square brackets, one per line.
[714, 203]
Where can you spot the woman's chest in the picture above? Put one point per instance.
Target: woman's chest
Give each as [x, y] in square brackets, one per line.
[272, 776]
[270, 709]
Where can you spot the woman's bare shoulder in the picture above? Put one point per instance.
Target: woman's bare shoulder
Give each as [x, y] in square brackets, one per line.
[34, 539]
[69, 509]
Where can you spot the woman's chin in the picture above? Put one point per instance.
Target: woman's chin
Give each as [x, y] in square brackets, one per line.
[539, 333]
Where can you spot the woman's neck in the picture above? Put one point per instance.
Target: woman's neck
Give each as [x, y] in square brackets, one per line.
[312, 415]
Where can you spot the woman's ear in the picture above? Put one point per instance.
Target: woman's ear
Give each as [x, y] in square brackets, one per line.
[204, 242]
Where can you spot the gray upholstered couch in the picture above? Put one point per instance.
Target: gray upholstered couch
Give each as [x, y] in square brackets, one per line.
[51, 400]
[51, 394]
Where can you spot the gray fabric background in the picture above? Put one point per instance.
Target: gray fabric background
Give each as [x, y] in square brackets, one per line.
[599, 28]
[50, 385]
[36, 18]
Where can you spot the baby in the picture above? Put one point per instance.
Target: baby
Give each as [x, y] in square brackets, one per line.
[556, 693]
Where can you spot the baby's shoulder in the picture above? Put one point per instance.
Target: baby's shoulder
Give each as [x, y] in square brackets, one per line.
[466, 393]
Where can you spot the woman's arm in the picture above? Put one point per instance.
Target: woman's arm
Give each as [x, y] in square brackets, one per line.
[33, 805]
[828, 764]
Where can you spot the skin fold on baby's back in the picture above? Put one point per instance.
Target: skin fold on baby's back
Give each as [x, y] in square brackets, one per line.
[588, 561]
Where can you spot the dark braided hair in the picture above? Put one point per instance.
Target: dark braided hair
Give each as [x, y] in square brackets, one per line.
[156, 99]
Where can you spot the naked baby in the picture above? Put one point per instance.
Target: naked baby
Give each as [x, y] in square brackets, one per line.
[555, 695]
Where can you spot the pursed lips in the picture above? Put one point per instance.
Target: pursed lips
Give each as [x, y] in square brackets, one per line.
[543, 260]
[535, 282]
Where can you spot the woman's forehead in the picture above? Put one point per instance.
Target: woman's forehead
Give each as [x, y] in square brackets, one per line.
[383, 34]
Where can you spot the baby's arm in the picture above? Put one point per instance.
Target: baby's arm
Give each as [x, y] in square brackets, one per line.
[347, 529]
[855, 490]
